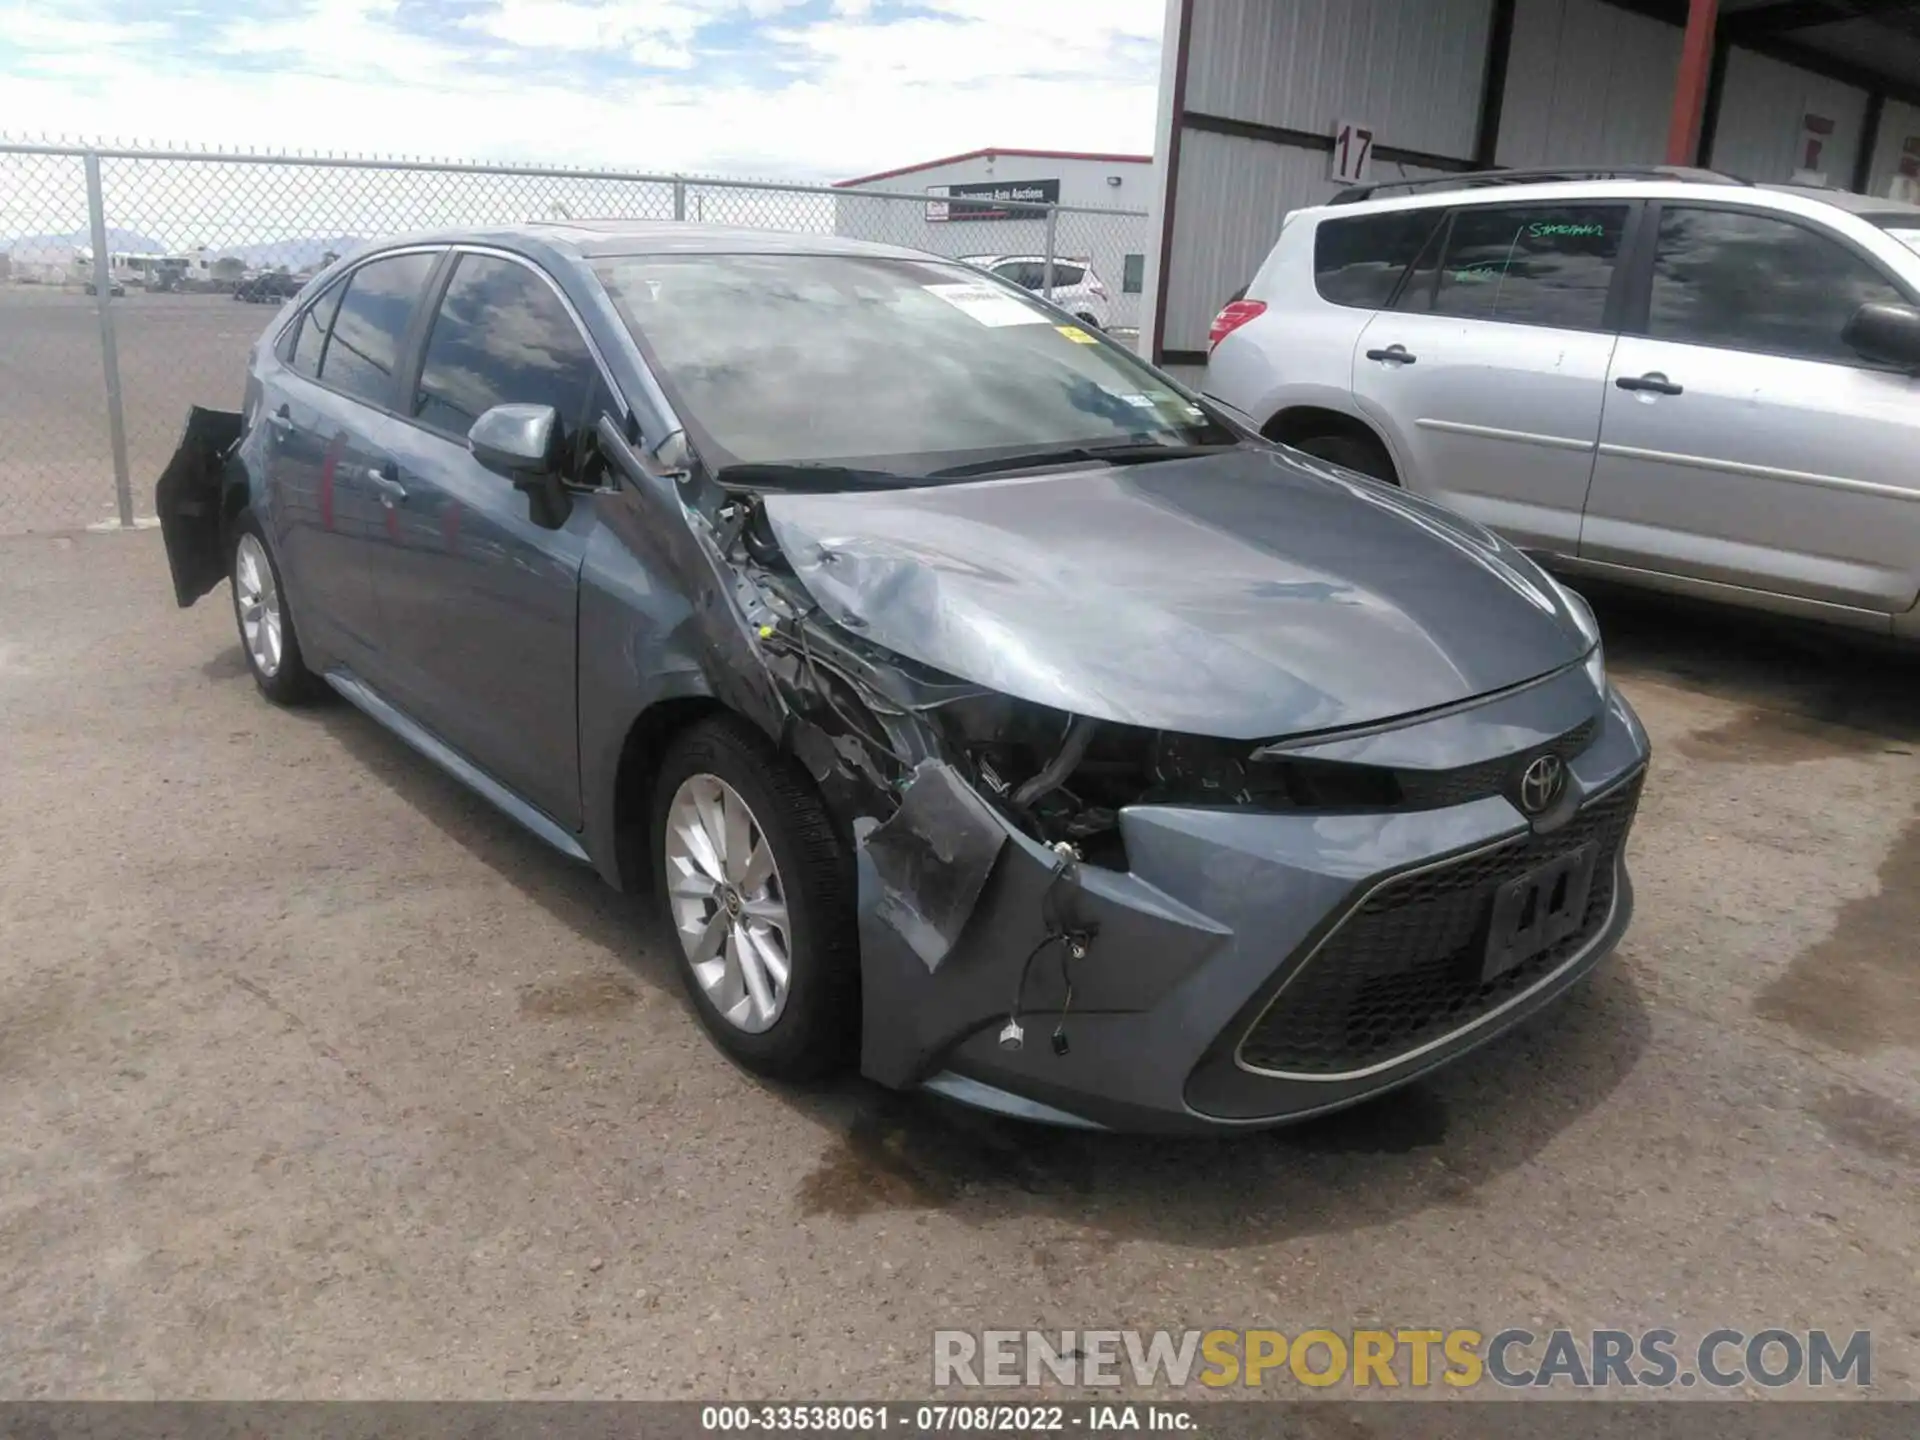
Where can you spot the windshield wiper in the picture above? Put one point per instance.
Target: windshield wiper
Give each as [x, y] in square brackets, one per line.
[1128, 452]
[807, 475]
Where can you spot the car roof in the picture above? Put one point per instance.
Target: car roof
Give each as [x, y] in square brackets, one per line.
[1800, 199]
[592, 239]
[1852, 203]
[1036, 259]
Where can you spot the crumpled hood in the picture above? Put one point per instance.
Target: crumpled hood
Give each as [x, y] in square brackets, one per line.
[1247, 595]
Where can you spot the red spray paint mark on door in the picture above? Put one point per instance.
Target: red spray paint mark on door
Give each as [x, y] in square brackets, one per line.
[326, 484]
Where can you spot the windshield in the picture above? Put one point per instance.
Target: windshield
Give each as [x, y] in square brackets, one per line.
[883, 365]
[1904, 226]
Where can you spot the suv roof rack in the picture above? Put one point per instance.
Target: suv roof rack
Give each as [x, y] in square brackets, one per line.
[1473, 179]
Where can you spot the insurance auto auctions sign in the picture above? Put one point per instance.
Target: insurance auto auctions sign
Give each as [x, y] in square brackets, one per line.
[987, 199]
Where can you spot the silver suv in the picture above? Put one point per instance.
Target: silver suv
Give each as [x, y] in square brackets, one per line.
[1667, 377]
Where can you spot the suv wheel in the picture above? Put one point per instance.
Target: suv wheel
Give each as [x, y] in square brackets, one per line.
[1355, 452]
[759, 890]
[267, 636]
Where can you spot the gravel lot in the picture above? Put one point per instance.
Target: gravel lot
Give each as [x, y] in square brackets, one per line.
[56, 462]
[321, 1079]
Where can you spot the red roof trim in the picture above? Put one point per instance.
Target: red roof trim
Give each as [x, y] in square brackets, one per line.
[993, 152]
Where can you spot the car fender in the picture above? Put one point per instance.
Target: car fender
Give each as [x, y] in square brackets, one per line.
[1340, 401]
[653, 632]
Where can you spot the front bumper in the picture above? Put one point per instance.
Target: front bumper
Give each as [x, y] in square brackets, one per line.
[1239, 977]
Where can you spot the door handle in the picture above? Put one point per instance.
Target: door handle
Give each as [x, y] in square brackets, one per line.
[1653, 381]
[391, 490]
[1395, 354]
[281, 420]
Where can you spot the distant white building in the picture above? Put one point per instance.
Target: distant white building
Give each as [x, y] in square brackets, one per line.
[959, 217]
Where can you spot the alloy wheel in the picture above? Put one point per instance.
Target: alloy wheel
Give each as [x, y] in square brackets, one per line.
[728, 904]
[258, 600]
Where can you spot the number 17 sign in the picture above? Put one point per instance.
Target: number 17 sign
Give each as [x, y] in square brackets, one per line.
[1352, 152]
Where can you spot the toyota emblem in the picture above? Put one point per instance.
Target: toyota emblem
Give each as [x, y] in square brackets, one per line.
[1541, 784]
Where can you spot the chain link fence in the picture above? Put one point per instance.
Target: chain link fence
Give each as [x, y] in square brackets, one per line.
[134, 281]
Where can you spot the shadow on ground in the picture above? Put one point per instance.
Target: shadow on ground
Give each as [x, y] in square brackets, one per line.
[1797, 677]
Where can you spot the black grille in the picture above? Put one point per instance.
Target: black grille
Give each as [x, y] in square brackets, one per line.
[1434, 789]
[1404, 967]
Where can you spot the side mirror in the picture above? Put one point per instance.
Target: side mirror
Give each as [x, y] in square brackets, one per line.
[1886, 334]
[521, 442]
[515, 440]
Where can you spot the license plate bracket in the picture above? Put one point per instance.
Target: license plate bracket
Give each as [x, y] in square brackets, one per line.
[1536, 910]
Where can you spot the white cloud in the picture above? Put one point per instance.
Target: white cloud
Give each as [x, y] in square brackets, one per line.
[32, 27]
[863, 94]
[652, 32]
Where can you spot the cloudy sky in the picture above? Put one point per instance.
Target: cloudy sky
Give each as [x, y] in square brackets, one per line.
[795, 88]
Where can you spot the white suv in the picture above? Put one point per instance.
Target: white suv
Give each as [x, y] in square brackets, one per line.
[1666, 377]
[1075, 286]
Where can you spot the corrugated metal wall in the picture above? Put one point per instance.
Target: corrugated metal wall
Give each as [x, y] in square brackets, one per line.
[1898, 124]
[1236, 193]
[1411, 71]
[1409, 68]
[1587, 83]
[1761, 111]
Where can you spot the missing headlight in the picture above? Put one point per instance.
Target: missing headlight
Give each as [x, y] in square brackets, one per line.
[1066, 778]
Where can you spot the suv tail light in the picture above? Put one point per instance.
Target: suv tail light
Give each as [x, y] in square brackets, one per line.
[1236, 314]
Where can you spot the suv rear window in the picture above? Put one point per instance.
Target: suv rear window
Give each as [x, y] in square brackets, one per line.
[1524, 264]
[1359, 261]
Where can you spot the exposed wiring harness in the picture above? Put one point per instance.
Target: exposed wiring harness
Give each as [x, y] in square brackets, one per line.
[1074, 941]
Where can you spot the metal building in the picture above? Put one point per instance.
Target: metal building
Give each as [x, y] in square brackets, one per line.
[1264, 104]
[959, 218]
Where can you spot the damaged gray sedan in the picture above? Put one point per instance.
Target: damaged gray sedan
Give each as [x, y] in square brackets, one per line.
[982, 708]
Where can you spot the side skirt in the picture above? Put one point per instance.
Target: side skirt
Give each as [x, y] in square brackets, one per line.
[465, 771]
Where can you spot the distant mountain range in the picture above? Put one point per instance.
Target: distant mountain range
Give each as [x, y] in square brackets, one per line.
[51, 247]
[299, 253]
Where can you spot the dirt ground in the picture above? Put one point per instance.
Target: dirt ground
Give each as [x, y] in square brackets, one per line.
[321, 1079]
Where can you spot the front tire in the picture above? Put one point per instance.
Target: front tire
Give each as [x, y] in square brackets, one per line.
[267, 635]
[1360, 453]
[757, 887]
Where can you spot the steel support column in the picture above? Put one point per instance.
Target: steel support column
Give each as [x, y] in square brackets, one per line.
[1690, 89]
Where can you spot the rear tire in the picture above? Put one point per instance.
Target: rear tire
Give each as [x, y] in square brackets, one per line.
[1361, 453]
[1089, 322]
[268, 638]
[722, 794]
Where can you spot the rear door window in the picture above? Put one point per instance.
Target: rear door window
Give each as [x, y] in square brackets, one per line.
[371, 323]
[1359, 261]
[502, 336]
[1524, 264]
[310, 339]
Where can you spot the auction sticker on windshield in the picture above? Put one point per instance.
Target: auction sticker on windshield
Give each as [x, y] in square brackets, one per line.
[988, 305]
